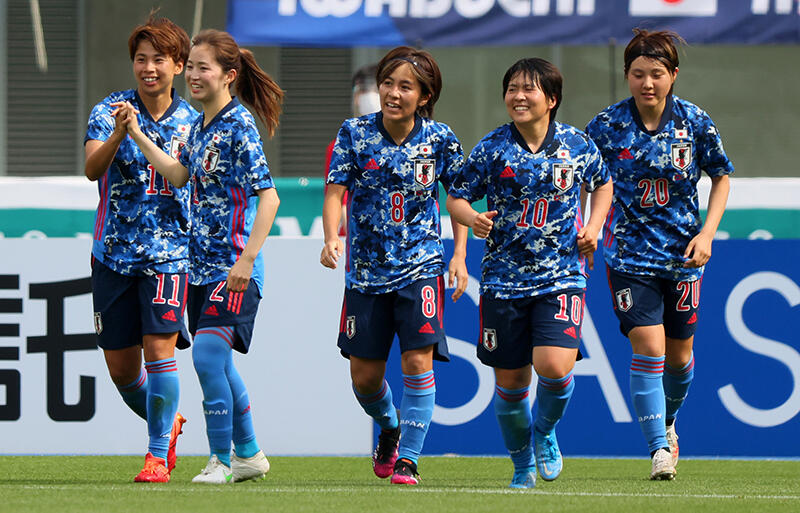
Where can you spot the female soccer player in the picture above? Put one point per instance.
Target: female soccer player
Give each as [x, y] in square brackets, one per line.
[655, 244]
[140, 248]
[391, 162]
[228, 169]
[533, 279]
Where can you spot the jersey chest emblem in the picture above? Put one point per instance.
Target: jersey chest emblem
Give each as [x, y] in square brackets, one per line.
[176, 144]
[210, 158]
[563, 176]
[424, 171]
[681, 155]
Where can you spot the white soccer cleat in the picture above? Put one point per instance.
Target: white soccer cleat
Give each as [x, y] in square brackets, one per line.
[215, 472]
[254, 467]
[672, 440]
[663, 468]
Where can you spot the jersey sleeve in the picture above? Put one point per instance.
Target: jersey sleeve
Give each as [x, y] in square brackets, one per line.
[471, 182]
[249, 160]
[343, 159]
[596, 173]
[710, 153]
[453, 156]
[100, 124]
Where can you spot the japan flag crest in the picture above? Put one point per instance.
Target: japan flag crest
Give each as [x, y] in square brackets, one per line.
[210, 158]
[489, 339]
[624, 299]
[672, 7]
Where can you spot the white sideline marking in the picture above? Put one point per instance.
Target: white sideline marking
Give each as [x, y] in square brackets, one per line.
[487, 491]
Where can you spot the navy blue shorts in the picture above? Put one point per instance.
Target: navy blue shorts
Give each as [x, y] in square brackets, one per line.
[212, 306]
[128, 307]
[415, 313]
[511, 328]
[650, 301]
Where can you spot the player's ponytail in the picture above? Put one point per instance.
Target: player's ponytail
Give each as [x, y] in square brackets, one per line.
[254, 85]
[258, 89]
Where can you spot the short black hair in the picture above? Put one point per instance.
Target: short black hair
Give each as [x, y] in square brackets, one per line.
[543, 73]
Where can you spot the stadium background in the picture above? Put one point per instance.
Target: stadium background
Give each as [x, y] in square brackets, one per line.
[54, 380]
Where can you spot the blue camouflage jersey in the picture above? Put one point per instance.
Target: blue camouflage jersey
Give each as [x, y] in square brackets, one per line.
[393, 225]
[532, 248]
[227, 166]
[655, 212]
[142, 221]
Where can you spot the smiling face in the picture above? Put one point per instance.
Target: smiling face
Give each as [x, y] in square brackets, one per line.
[401, 95]
[526, 103]
[650, 82]
[206, 79]
[154, 71]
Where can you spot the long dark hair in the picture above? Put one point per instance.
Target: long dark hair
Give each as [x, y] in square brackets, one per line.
[254, 86]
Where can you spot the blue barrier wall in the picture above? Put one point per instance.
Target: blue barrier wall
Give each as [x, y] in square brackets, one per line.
[745, 398]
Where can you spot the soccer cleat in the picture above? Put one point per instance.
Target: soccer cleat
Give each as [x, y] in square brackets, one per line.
[672, 440]
[548, 457]
[215, 472]
[255, 467]
[525, 478]
[154, 471]
[385, 454]
[405, 472]
[663, 468]
[177, 429]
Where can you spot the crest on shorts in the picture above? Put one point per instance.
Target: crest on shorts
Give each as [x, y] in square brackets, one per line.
[624, 299]
[563, 176]
[489, 339]
[210, 158]
[424, 171]
[98, 323]
[175, 146]
[681, 155]
[350, 326]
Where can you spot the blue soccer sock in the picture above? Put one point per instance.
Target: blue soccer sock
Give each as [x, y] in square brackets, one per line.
[647, 392]
[379, 406]
[552, 396]
[162, 403]
[513, 411]
[244, 434]
[416, 411]
[676, 386]
[210, 353]
[135, 394]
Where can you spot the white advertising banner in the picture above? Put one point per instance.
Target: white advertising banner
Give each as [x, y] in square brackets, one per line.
[56, 396]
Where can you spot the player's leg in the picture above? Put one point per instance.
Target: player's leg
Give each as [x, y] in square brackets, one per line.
[211, 350]
[556, 321]
[126, 371]
[419, 323]
[162, 301]
[681, 308]
[639, 306]
[365, 337]
[505, 345]
[118, 327]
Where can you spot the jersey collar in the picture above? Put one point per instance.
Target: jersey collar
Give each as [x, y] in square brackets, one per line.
[665, 116]
[551, 133]
[176, 101]
[385, 133]
[230, 106]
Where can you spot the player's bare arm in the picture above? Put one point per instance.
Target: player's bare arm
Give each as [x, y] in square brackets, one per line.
[481, 223]
[698, 252]
[457, 270]
[331, 216]
[239, 275]
[165, 165]
[587, 236]
[100, 154]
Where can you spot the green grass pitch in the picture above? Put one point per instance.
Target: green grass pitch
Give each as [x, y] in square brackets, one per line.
[324, 484]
